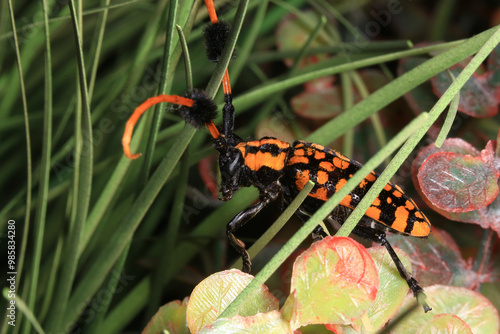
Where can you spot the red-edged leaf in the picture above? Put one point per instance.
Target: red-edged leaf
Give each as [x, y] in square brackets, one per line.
[333, 282]
[436, 260]
[262, 323]
[477, 97]
[470, 306]
[446, 324]
[212, 296]
[487, 217]
[170, 317]
[458, 183]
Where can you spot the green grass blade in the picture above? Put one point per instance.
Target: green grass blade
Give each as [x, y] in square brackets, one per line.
[101, 27]
[249, 43]
[29, 177]
[50, 287]
[21, 306]
[187, 59]
[93, 277]
[42, 200]
[110, 191]
[450, 117]
[83, 182]
[159, 112]
[169, 239]
[110, 285]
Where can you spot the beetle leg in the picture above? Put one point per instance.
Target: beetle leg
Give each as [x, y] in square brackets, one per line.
[380, 238]
[241, 219]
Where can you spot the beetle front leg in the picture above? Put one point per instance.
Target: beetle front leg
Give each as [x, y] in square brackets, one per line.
[238, 221]
[241, 219]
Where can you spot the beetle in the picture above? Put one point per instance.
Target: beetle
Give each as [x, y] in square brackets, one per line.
[279, 169]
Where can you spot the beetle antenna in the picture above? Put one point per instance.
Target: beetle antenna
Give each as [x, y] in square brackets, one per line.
[197, 109]
[216, 36]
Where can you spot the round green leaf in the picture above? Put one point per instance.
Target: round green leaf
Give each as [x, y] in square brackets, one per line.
[214, 294]
[445, 324]
[170, 317]
[392, 288]
[472, 307]
[333, 282]
[262, 323]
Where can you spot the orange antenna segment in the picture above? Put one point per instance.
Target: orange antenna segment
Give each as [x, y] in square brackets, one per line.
[211, 11]
[214, 132]
[226, 85]
[129, 127]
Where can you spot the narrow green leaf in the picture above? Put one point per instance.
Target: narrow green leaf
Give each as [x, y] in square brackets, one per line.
[21, 306]
[159, 110]
[29, 177]
[450, 117]
[83, 182]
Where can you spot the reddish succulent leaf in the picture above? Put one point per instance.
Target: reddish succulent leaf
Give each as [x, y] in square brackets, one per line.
[436, 260]
[458, 183]
[446, 324]
[262, 323]
[470, 306]
[212, 296]
[170, 317]
[486, 217]
[333, 282]
[477, 97]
